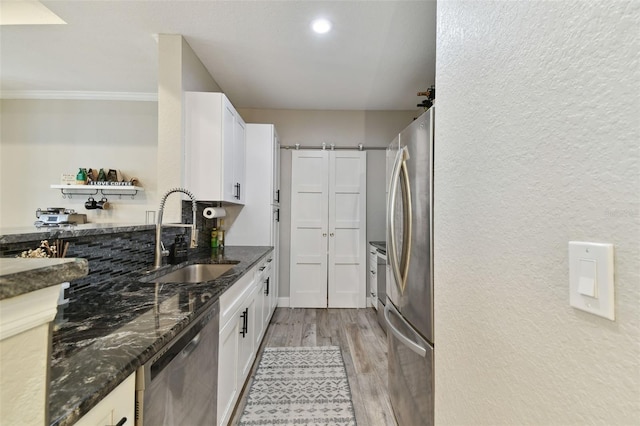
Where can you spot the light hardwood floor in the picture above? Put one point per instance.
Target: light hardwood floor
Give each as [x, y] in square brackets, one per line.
[364, 349]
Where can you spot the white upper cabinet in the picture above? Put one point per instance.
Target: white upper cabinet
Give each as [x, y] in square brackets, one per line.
[214, 168]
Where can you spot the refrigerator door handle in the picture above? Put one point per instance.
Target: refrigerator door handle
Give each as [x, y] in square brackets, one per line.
[393, 190]
[400, 271]
[404, 339]
[407, 211]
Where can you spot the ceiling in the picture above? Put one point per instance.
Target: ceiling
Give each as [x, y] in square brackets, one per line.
[262, 54]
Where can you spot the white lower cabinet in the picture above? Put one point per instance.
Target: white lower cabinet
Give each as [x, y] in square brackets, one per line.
[242, 327]
[228, 369]
[117, 408]
[269, 293]
[260, 308]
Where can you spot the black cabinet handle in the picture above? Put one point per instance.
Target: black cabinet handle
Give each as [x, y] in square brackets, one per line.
[239, 188]
[245, 322]
[266, 291]
[121, 422]
[277, 196]
[278, 215]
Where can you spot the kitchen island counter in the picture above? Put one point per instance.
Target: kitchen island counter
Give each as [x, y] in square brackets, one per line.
[23, 275]
[32, 233]
[109, 330]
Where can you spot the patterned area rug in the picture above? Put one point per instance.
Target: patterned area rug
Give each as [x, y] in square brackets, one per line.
[300, 386]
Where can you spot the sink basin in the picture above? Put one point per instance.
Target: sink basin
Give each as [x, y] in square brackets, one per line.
[194, 273]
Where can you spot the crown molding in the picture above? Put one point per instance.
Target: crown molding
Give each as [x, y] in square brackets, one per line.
[78, 95]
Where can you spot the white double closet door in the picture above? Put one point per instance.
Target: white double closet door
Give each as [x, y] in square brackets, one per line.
[328, 229]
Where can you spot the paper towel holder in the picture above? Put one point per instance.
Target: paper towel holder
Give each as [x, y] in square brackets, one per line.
[214, 212]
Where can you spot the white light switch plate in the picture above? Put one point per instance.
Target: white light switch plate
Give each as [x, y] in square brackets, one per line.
[591, 278]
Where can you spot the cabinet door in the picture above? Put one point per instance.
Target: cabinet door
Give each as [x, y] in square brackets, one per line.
[270, 295]
[229, 117]
[309, 227]
[260, 307]
[373, 275]
[228, 367]
[275, 264]
[246, 339]
[118, 404]
[239, 144]
[206, 117]
[276, 169]
[347, 229]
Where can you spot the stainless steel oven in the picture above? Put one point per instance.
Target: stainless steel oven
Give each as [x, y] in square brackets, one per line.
[178, 386]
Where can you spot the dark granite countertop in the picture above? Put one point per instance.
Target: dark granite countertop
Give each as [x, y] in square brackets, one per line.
[108, 330]
[23, 275]
[381, 246]
[32, 233]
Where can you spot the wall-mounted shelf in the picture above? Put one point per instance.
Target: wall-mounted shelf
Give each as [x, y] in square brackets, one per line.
[120, 190]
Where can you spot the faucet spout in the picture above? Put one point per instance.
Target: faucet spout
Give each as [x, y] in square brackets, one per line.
[193, 241]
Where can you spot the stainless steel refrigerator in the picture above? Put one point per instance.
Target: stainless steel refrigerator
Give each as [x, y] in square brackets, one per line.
[409, 309]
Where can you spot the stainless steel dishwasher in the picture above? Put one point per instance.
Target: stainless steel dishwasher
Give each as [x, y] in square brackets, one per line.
[178, 386]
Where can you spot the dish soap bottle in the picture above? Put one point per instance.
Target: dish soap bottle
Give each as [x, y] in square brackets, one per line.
[183, 249]
[178, 251]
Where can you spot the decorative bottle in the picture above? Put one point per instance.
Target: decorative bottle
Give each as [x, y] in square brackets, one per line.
[81, 177]
[221, 236]
[214, 238]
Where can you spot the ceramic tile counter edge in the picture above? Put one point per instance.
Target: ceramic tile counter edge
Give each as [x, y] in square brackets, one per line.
[20, 234]
[115, 329]
[19, 276]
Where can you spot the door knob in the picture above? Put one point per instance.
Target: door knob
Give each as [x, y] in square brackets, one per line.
[324, 234]
[331, 234]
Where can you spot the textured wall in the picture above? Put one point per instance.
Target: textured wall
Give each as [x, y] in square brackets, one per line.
[536, 145]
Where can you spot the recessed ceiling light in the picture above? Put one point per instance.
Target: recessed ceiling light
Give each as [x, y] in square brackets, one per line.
[321, 26]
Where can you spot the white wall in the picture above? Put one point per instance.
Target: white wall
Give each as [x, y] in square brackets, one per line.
[536, 145]
[41, 139]
[342, 128]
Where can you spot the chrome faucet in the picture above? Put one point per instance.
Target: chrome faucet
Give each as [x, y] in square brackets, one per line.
[159, 251]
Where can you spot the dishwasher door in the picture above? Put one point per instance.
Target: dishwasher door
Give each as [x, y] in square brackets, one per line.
[179, 385]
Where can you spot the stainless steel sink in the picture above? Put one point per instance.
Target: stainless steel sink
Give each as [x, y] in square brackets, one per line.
[197, 273]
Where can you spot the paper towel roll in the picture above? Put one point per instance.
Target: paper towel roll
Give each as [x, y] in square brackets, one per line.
[211, 212]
